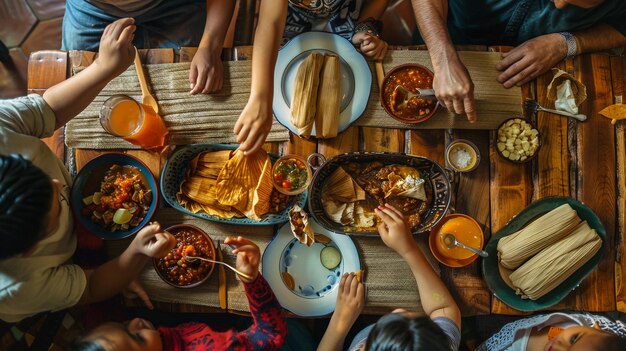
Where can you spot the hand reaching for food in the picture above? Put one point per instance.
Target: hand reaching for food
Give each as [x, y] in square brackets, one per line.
[152, 242]
[206, 73]
[116, 50]
[394, 230]
[248, 256]
[371, 46]
[253, 125]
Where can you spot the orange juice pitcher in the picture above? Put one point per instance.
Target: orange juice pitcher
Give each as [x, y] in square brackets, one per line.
[124, 117]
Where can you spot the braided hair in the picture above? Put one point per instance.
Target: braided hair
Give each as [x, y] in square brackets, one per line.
[25, 200]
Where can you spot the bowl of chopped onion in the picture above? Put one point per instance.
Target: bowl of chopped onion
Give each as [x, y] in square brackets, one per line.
[518, 140]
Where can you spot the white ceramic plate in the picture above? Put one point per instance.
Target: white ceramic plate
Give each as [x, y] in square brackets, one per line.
[316, 286]
[356, 77]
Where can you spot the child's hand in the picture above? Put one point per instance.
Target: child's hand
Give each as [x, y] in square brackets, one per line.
[248, 256]
[371, 46]
[350, 302]
[116, 46]
[206, 73]
[152, 242]
[253, 125]
[394, 231]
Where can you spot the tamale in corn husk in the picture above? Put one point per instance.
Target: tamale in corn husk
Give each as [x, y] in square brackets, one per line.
[554, 264]
[300, 226]
[328, 99]
[515, 249]
[341, 187]
[245, 183]
[304, 101]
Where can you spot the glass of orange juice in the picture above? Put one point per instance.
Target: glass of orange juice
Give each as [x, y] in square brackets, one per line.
[124, 117]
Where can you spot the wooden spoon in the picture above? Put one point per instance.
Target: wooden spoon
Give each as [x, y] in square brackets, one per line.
[147, 98]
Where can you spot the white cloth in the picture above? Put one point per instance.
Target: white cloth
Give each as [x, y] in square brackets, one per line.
[42, 281]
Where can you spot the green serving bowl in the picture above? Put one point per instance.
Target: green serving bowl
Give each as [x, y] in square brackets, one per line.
[492, 275]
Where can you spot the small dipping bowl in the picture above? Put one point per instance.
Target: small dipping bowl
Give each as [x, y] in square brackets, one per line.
[280, 178]
[513, 120]
[466, 230]
[462, 155]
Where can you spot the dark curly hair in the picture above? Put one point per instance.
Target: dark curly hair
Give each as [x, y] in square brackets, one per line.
[25, 200]
[395, 332]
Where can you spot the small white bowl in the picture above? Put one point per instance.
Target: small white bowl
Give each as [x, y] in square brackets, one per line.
[462, 148]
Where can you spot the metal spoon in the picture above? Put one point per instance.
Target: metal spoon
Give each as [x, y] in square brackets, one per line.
[403, 95]
[533, 106]
[193, 258]
[450, 241]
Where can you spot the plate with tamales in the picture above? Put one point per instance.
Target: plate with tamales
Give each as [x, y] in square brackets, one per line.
[347, 188]
[305, 276]
[218, 183]
[321, 85]
[543, 253]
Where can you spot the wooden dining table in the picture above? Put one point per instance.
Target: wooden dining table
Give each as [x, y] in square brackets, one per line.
[584, 161]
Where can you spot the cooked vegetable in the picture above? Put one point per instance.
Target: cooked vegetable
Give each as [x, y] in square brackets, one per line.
[122, 216]
[330, 257]
[517, 140]
[175, 268]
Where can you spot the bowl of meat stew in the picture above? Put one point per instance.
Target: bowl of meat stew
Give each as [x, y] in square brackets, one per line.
[400, 81]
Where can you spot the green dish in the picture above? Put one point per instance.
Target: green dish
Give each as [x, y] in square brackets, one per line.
[490, 264]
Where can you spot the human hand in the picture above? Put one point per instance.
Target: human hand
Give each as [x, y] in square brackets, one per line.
[371, 46]
[134, 290]
[454, 88]
[248, 256]
[152, 242]
[530, 59]
[350, 303]
[116, 51]
[206, 74]
[394, 230]
[253, 125]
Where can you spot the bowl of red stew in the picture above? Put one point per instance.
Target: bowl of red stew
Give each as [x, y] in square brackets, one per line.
[174, 269]
[291, 174]
[411, 76]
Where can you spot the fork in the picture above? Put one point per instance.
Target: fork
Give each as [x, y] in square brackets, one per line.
[193, 258]
[533, 106]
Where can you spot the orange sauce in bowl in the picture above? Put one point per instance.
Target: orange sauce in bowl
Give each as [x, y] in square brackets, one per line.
[466, 231]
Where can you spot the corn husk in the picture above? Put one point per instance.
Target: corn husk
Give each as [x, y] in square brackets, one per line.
[342, 188]
[245, 183]
[554, 264]
[515, 249]
[303, 232]
[328, 99]
[304, 101]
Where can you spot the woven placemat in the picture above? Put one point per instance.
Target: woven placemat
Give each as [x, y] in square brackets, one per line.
[494, 103]
[390, 283]
[191, 119]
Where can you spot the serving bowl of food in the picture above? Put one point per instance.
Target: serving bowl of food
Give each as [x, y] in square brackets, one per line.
[291, 174]
[175, 269]
[347, 188]
[396, 95]
[518, 140]
[114, 196]
[466, 231]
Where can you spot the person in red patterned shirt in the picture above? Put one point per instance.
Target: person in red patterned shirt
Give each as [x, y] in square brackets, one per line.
[267, 333]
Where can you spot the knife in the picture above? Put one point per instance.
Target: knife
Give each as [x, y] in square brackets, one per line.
[222, 277]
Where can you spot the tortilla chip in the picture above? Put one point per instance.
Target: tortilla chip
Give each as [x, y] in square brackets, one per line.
[614, 112]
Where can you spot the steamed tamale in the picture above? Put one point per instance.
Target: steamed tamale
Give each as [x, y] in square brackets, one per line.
[304, 101]
[554, 264]
[328, 99]
[515, 249]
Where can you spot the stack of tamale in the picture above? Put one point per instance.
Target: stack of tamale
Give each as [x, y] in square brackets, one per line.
[316, 99]
[547, 251]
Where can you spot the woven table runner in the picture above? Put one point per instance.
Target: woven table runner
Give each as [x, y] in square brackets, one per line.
[191, 119]
[390, 283]
[494, 103]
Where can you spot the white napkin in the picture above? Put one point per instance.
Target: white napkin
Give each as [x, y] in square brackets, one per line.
[565, 99]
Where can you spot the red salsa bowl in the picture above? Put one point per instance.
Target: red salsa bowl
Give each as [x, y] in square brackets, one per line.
[411, 76]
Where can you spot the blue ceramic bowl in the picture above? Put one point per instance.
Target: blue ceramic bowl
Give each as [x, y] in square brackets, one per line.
[90, 177]
[174, 172]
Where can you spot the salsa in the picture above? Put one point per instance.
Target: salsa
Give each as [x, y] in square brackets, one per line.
[290, 174]
[122, 200]
[176, 269]
[411, 78]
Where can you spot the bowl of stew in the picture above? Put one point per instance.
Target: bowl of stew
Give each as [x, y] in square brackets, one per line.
[174, 269]
[411, 76]
[291, 174]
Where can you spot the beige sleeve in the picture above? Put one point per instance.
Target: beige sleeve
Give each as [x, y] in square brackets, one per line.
[29, 115]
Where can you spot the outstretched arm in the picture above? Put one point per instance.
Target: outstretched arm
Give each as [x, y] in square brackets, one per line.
[70, 97]
[255, 120]
[206, 73]
[434, 295]
[452, 83]
[536, 56]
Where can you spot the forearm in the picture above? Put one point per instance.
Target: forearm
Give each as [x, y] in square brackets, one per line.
[70, 97]
[431, 17]
[267, 38]
[333, 338]
[597, 38]
[373, 9]
[112, 277]
[434, 295]
[218, 16]
[269, 328]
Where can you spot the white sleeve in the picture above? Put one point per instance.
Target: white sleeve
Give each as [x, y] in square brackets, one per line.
[29, 115]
